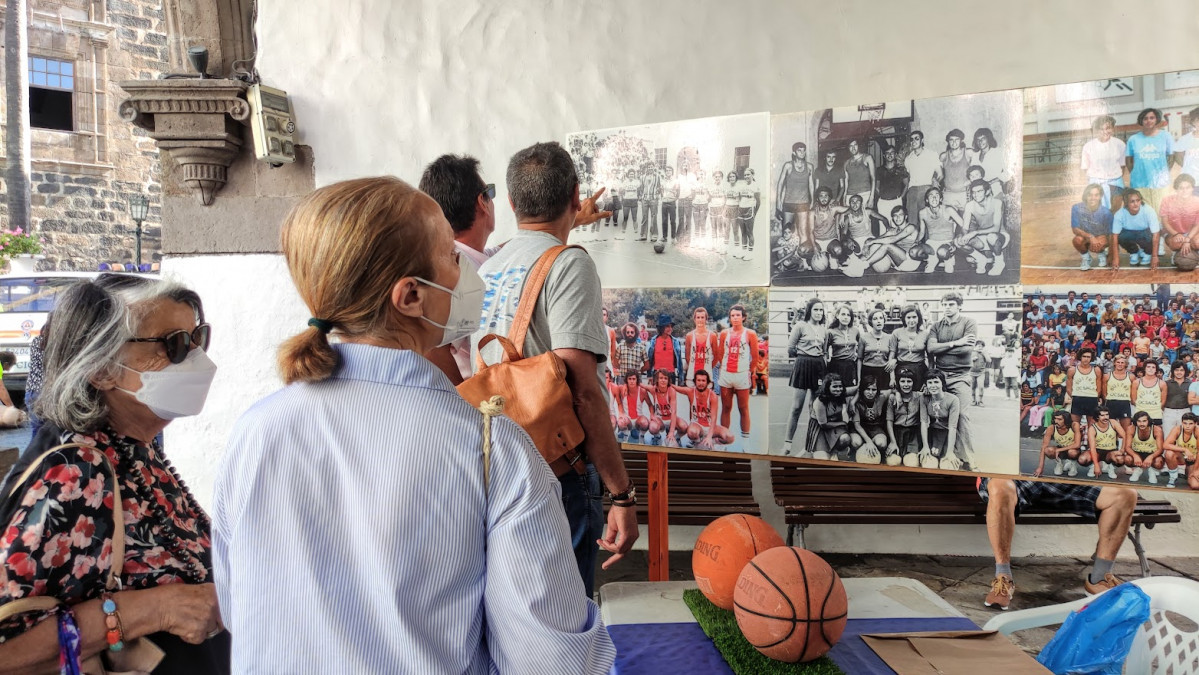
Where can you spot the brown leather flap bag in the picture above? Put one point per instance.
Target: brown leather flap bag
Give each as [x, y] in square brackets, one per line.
[536, 395]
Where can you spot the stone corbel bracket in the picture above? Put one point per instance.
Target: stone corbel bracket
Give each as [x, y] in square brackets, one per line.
[197, 122]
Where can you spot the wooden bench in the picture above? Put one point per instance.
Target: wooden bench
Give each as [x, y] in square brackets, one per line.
[690, 489]
[835, 496]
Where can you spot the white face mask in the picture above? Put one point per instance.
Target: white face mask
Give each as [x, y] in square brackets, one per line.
[179, 390]
[466, 304]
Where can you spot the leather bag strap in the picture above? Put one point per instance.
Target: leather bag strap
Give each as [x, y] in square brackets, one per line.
[530, 293]
[113, 581]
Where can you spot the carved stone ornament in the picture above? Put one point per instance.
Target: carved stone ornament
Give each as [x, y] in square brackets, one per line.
[198, 123]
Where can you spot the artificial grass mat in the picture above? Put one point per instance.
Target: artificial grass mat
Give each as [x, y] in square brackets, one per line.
[721, 625]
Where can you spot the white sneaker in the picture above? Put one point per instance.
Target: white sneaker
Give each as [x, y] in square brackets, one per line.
[1173, 478]
[786, 447]
[1136, 475]
[1085, 264]
[1153, 476]
[1073, 468]
[1102, 260]
[1111, 471]
[1057, 470]
[1091, 473]
[998, 267]
[1161, 246]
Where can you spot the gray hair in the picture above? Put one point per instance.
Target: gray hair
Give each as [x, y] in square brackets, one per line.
[92, 322]
[541, 181]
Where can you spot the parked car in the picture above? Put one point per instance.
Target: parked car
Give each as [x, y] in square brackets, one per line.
[25, 301]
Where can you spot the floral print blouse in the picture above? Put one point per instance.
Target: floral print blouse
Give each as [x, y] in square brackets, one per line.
[58, 539]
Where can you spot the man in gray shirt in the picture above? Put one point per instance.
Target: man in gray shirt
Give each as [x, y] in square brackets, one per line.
[951, 342]
[543, 190]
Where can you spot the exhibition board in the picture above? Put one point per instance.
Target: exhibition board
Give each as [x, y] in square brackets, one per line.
[796, 277]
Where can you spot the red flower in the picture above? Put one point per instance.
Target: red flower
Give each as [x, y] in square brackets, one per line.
[10, 535]
[57, 550]
[82, 533]
[22, 565]
[105, 555]
[83, 565]
[63, 473]
[89, 455]
[35, 493]
[32, 535]
[94, 492]
[70, 491]
[157, 557]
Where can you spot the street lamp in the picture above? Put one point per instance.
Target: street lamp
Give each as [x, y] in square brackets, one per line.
[139, 205]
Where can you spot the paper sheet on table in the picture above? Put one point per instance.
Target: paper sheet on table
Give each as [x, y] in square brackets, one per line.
[952, 653]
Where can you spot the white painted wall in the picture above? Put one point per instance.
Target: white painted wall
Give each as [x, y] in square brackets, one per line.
[384, 87]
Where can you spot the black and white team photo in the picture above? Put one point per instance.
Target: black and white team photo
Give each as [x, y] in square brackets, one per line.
[897, 191]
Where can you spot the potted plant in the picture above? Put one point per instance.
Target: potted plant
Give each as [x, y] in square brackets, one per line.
[19, 248]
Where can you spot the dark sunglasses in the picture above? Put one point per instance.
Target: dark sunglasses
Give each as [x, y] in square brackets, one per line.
[179, 343]
[489, 190]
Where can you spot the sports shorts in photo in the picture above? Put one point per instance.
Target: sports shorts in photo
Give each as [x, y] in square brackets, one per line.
[735, 380]
[1084, 405]
[1119, 410]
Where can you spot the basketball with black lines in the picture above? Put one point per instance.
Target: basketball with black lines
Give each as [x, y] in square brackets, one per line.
[723, 548]
[790, 604]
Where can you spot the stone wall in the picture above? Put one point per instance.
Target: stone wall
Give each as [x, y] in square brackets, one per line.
[81, 180]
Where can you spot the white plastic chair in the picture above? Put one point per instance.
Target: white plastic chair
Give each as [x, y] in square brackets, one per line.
[1160, 647]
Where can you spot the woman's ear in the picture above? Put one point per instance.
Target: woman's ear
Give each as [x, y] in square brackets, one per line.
[104, 380]
[406, 297]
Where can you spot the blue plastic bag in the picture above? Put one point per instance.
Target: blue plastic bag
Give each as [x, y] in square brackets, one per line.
[1095, 640]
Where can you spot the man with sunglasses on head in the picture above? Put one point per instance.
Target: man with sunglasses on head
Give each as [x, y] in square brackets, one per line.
[453, 181]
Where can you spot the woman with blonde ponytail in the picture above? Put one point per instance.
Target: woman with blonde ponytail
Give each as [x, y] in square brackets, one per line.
[351, 512]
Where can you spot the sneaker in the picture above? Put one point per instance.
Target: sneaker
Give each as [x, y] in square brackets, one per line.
[1102, 260]
[1136, 475]
[1152, 476]
[1073, 469]
[1173, 478]
[1091, 473]
[997, 268]
[1002, 590]
[949, 266]
[1108, 582]
[1085, 264]
[1058, 468]
[786, 447]
[1111, 471]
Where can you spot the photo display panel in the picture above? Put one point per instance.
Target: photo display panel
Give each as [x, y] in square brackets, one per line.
[992, 284]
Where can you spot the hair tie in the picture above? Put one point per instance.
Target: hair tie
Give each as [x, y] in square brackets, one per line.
[323, 325]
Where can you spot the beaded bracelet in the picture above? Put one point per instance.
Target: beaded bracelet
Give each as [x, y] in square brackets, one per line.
[114, 634]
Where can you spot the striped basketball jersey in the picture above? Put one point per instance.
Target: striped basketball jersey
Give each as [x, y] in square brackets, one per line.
[736, 351]
[703, 349]
[663, 403]
[702, 403]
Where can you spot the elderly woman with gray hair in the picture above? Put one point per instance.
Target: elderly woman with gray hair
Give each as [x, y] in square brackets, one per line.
[127, 356]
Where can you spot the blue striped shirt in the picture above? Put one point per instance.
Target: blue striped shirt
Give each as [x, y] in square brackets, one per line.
[351, 534]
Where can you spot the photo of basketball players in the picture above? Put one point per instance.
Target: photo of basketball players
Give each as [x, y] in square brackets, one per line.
[913, 192]
[1111, 174]
[688, 199]
[689, 367]
[897, 376]
[1108, 386]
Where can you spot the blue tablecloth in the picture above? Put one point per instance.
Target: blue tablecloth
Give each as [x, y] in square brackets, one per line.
[667, 648]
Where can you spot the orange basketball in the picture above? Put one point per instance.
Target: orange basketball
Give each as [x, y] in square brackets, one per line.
[1187, 262]
[723, 548]
[790, 604]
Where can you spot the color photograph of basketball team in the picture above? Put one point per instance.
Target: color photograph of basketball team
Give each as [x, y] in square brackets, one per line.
[1108, 384]
[689, 367]
[687, 200]
[900, 377]
[1110, 171]
[909, 192]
